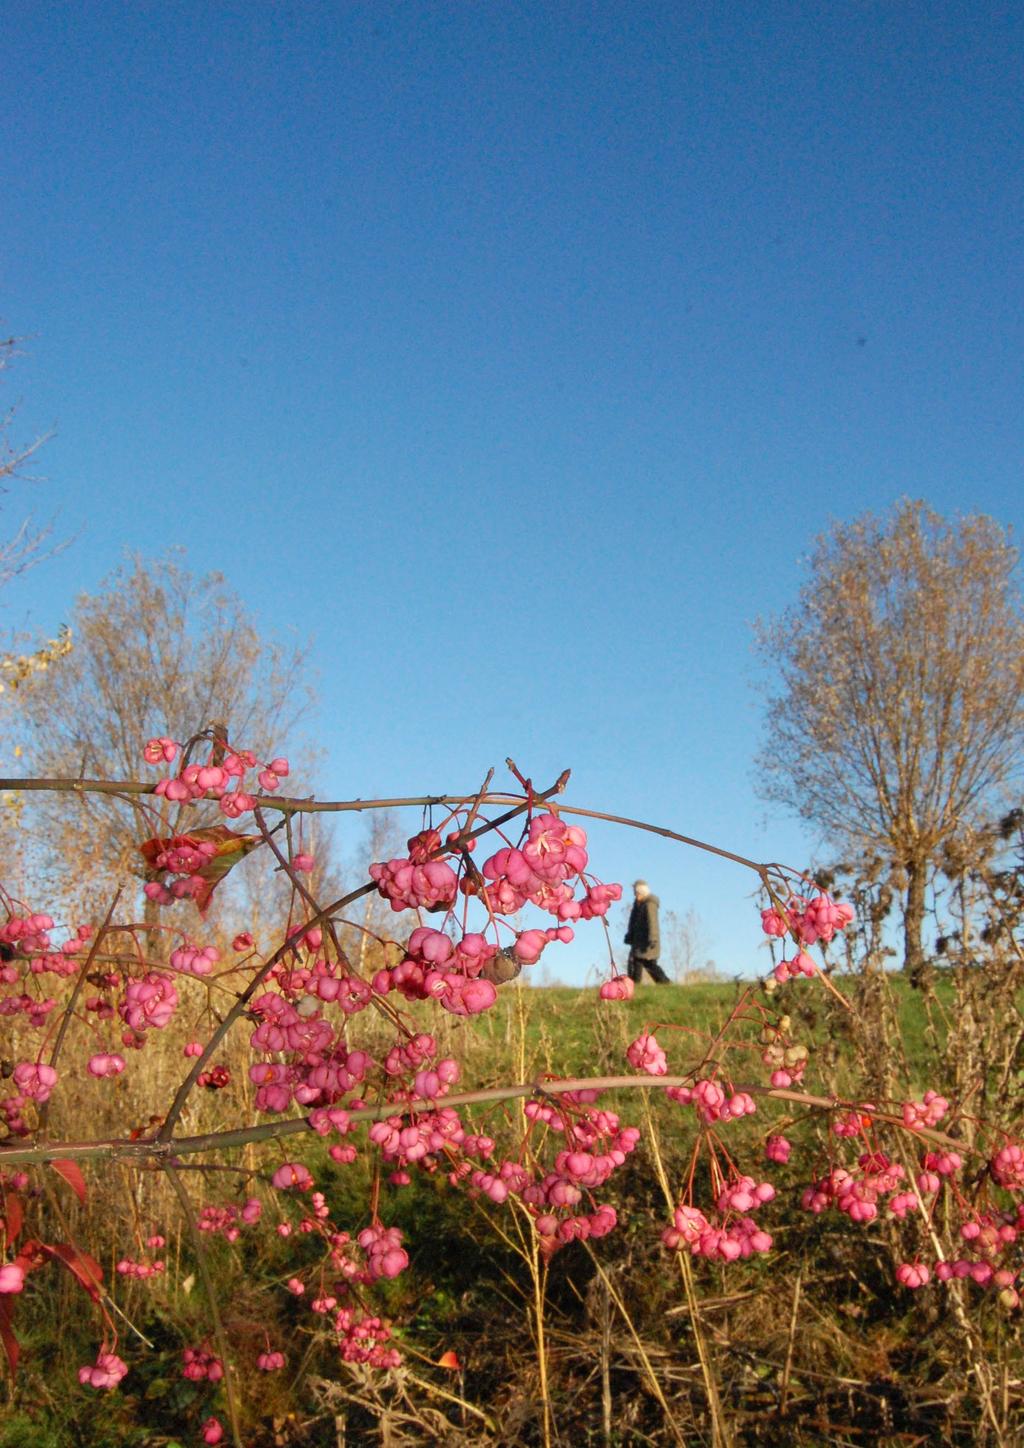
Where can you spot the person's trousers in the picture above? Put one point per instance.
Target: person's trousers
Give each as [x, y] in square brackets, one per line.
[636, 966]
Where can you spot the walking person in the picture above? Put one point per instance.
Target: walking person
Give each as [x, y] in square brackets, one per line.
[642, 936]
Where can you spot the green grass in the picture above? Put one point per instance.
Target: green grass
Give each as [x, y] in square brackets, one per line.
[570, 1032]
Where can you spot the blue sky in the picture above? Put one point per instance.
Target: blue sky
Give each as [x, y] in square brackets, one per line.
[516, 353]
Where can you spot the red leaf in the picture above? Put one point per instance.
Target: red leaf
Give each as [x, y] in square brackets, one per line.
[31, 1256]
[85, 1268]
[230, 848]
[7, 1337]
[14, 1216]
[72, 1174]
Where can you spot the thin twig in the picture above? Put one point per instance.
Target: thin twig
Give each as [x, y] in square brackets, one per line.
[791, 1344]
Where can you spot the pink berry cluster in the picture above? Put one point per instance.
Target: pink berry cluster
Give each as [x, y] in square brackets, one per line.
[422, 1141]
[362, 1339]
[194, 959]
[319, 1068]
[807, 921]
[149, 1002]
[34, 1080]
[928, 1112]
[186, 864]
[801, 964]
[429, 1081]
[292, 1176]
[27, 936]
[644, 1054]
[385, 1255]
[713, 1100]
[35, 1010]
[27, 953]
[407, 885]
[141, 1270]
[105, 1064]
[542, 870]
[618, 988]
[106, 1372]
[1007, 1166]
[857, 1193]
[877, 1184]
[435, 967]
[538, 870]
[200, 1365]
[561, 1199]
[778, 1150]
[227, 1219]
[223, 781]
[730, 1234]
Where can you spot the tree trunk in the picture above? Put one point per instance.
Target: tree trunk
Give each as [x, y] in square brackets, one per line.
[913, 919]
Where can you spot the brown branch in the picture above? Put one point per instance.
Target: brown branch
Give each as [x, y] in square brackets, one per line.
[169, 1150]
[311, 806]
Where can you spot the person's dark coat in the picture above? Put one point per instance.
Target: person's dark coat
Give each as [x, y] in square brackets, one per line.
[642, 933]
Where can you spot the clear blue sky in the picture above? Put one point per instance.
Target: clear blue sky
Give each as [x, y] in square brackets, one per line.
[516, 352]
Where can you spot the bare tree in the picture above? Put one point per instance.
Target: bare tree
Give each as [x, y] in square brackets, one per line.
[158, 651]
[20, 549]
[26, 545]
[896, 715]
[684, 948]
